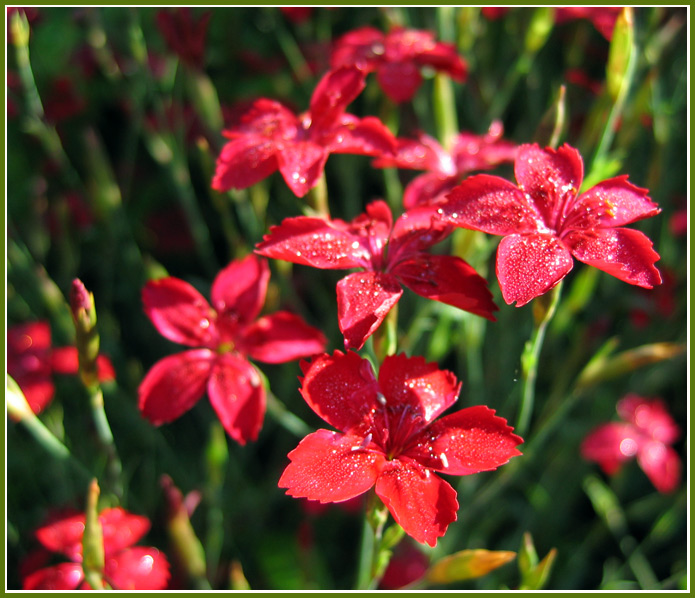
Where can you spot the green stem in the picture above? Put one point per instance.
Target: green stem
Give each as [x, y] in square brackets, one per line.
[544, 307]
[286, 418]
[317, 198]
[370, 571]
[105, 436]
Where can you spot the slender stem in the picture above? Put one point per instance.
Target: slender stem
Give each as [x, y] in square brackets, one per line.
[286, 418]
[317, 198]
[372, 565]
[544, 308]
[105, 436]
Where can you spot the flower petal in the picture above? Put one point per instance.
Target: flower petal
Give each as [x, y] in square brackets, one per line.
[465, 442]
[421, 502]
[237, 395]
[427, 189]
[64, 576]
[661, 464]
[63, 534]
[490, 204]
[239, 289]
[364, 299]
[530, 265]
[121, 529]
[174, 384]
[341, 389]
[314, 242]
[179, 312]
[399, 80]
[327, 467]
[281, 337]
[447, 279]
[244, 161]
[611, 203]
[414, 231]
[551, 178]
[610, 445]
[624, 253]
[301, 164]
[422, 386]
[332, 94]
[650, 416]
[138, 568]
[366, 136]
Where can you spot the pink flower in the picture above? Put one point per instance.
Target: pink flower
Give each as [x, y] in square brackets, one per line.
[390, 438]
[389, 256]
[223, 335]
[126, 567]
[545, 221]
[184, 35]
[31, 361]
[270, 137]
[646, 432]
[397, 58]
[445, 169]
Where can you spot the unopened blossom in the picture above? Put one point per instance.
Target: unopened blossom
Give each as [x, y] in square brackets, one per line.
[397, 57]
[445, 169]
[390, 437]
[546, 222]
[271, 137]
[645, 433]
[32, 361]
[126, 566]
[223, 335]
[389, 257]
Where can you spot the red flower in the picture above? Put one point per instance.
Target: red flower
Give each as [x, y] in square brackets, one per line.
[224, 334]
[270, 137]
[31, 360]
[397, 58]
[446, 169]
[126, 567]
[603, 17]
[389, 439]
[545, 221]
[646, 432]
[183, 35]
[407, 565]
[388, 255]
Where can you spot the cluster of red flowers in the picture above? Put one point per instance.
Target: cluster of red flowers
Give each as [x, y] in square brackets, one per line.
[388, 431]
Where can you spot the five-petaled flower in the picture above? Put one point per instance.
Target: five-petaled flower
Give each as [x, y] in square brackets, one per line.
[31, 361]
[390, 438]
[270, 137]
[397, 58]
[389, 255]
[646, 432]
[126, 566]
[545, 221]
[445, 169]
[224, 334]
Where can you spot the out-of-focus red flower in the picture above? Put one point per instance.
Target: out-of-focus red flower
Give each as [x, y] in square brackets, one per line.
[31, 361]
[62, 101]
[224, 334]
[407, 565]
[545, 221]
[397, 58]
[270, 137]
[646, 432]
[494, 12]
[184, 35]
[389, 255]
[297, 14]
[580, 78]
[602, 17]
[390, 438]
[446, 169]
[126, 566]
